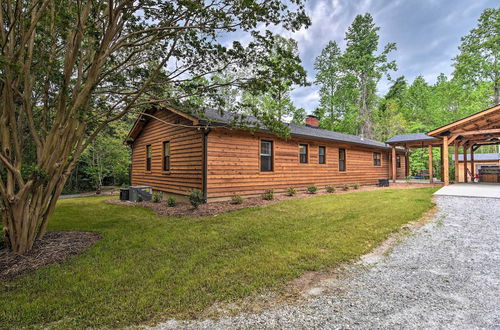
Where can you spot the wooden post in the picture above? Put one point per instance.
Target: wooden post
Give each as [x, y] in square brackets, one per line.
[457, 171]
[407, 165]
[441, 176]
[446, 164]
[431, 170]
[472, 167]
[394, 164]
[466, 178]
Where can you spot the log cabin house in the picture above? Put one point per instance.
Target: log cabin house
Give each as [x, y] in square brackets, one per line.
[174, 152]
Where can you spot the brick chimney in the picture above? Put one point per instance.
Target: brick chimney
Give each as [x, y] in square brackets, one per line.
[312, 121]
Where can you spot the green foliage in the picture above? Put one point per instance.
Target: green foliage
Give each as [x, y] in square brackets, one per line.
[236, 199]
[330, 189]
[356, 186]
[171, 201]
[291, 191]
[157, 196]
[345, 187]
[106, 286]
[268, 195]
[196, 198]
[312, 189]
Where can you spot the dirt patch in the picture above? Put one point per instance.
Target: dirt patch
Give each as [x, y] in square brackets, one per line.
[183, 209]
[55, 247]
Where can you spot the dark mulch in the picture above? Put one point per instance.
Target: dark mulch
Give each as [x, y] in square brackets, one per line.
[183, 209]
[55, 247]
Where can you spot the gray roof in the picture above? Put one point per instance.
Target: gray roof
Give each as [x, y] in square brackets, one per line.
[214, 116]
[410, 137]
[479, 157]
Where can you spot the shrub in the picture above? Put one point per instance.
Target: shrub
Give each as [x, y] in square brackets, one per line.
[291, 191]
[156, 198]
[357, 185]
[268, 195]
[345, 187]
[236, 199]
[196, 198]
[312, 189]
[330, 189]
[171, 202]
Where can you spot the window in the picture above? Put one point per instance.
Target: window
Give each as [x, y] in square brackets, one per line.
[398, 161]
[342, 160]
[303, 153]
[322, 155]
[148, 157]
[166, 156]
[266, 156]
[376, 159]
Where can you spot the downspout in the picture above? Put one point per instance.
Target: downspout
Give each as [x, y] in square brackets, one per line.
[205, 164]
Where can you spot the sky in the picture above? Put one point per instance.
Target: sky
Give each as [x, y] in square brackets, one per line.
[427, 34]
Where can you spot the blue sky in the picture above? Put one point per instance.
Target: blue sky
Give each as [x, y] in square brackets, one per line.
[427, 34]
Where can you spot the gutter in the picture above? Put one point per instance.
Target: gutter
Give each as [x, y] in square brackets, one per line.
[205, 164]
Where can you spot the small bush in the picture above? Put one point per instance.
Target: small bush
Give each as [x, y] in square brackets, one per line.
[196, 198]
[268, 195]
[345, 187]
[312, 189]
[171, 201]
[156, 198]
[356, 186]
[330, 189]
[291, 191]
[236, 199]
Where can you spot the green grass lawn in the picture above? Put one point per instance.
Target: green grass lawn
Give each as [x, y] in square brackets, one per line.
[147, 268]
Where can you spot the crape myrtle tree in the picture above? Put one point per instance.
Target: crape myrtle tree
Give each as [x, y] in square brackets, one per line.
[69, 68]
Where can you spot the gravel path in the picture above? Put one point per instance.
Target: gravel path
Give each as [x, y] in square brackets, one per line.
[447, 275]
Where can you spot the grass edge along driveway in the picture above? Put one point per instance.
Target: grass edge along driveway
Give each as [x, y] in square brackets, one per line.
[147, 269]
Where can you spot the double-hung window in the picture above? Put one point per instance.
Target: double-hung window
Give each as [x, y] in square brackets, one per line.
[266, 156]
[166, 156]
[342, 160]
[377, 160]
[148, 157]
[303, 153]
[322, 155]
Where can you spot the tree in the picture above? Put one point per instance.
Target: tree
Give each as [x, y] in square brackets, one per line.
[389, 118]
[365, 66]
[479, 58]
[70, 68]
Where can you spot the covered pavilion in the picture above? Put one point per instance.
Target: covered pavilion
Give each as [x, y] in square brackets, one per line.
[468, 134]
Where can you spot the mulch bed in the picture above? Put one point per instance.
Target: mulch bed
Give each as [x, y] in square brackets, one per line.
[53, 248]
[183, 209]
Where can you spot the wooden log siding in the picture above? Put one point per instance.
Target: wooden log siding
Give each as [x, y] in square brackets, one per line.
[234, 156]
[186, 155]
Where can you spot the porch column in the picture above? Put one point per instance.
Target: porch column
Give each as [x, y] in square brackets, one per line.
[393, 163]
[441, 163]
[466, 178]
[407, 165]
[446, 164]
[431, 174]
[472, 169]
[457, 170]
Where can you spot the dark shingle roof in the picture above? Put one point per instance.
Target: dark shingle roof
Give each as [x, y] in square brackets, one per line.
[410, 137]
[479, 157]
[214, 117]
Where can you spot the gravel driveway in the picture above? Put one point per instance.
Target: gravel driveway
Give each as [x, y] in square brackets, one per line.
[446, 275]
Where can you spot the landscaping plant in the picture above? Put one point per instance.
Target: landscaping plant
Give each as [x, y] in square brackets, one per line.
[196, 198]
[330, 189]
[356, 186]
[236, 199]
[291, 191]
[345, 187]
[312, 189]
[156, 198]
[171, 201]
[268, 195]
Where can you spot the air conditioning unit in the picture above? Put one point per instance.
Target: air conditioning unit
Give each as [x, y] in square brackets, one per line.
[140, 193]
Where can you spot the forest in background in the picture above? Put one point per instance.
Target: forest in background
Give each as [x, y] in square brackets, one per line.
[349, 102]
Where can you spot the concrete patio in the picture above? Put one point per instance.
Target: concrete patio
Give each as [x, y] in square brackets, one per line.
[488, 190]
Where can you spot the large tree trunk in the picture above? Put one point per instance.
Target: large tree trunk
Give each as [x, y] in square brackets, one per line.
[25, 218]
